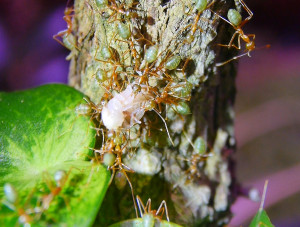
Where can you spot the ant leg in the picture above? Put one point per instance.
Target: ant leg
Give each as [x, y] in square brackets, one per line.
[234, 58]
[239, 42]
[185, 65]
[163, 207]
[60, 34]
[130, 185]
[112, 176]
[252, 35]
[148, 206]
[223, 45]
[224, 19]
[232, 39]
[140, 206]
[248, 11]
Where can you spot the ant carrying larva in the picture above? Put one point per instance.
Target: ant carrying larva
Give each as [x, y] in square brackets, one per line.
[127, 108]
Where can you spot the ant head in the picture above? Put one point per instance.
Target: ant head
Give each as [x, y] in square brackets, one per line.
[250, 45]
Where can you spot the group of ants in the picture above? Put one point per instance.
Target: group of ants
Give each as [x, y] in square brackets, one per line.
[113, 138]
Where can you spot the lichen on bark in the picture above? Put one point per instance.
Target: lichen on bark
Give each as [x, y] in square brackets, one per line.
[197, 188]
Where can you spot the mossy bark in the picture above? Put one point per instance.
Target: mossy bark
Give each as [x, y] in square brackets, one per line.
[197, 197]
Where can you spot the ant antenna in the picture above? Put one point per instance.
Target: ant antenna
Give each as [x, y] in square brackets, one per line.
[234, 58]
[188, 139]
[165, 125]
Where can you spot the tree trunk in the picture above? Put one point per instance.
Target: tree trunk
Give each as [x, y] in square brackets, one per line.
[194, 177]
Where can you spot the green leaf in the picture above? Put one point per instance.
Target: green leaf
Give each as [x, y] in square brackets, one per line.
[138, 222]
[261, 219]
[40, 134]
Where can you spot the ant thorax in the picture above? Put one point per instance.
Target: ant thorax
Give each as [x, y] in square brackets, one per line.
[125, 109]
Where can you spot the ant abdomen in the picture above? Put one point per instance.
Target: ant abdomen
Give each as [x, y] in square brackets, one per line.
[234, 17]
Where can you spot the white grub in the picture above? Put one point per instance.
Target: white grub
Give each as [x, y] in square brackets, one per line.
[125, 109]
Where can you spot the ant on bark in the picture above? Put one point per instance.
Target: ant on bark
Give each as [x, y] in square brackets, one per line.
[200, 6]
[111, 156]
[235, 20]
[68, 40]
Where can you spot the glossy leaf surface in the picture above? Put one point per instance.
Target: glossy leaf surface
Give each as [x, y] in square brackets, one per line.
[40, 134]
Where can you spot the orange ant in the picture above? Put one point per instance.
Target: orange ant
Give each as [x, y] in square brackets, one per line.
[235, 20]
[60, 178]
[194, 161]
[148, 215]
[133, 50]
[93, 111]
[199, 149]
[66, 35]
[200, 6]
[89, 108]
[167, 95]
[12, 202]
[111, 156]
[121, 10]
[110, 57]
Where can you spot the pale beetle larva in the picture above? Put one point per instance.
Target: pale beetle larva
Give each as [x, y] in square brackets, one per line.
[124, 109]
[127, 108]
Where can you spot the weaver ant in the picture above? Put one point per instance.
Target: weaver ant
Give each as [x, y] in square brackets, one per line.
[200, 6]
[12, 202]
[116, 9]
[111, 156]
[68, 40]
[112, 58]
[235, 20]
[60, 178]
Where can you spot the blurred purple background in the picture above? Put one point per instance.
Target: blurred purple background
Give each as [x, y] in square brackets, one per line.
[267, 104]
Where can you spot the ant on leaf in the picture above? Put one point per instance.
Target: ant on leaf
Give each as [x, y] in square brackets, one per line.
[60, 178]
[12, 201]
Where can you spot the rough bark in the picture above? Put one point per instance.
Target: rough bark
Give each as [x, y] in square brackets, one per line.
[203, 196]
